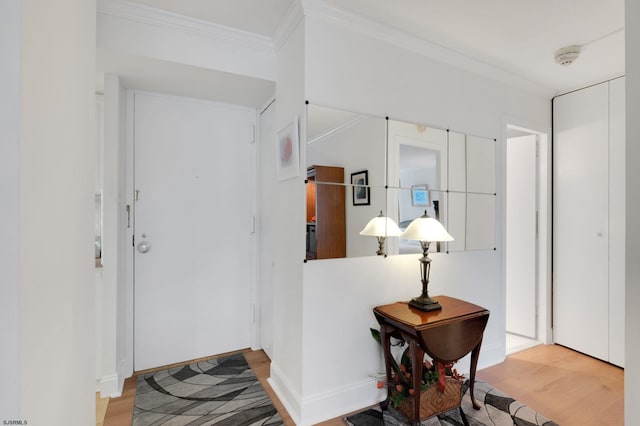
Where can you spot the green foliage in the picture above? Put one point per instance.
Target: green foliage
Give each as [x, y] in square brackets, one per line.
[376, 335]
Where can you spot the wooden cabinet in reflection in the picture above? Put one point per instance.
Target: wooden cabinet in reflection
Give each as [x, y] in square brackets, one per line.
[326, 219]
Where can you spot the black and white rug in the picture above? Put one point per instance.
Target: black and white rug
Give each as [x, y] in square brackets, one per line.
[496, 409]
[220, 392]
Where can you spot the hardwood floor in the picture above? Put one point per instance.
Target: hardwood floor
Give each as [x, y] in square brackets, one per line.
[101, 409]
[568, 387]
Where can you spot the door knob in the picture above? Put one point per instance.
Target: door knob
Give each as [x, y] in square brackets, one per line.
[144, 246]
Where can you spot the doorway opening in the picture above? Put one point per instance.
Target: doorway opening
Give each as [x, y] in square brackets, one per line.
[527, 230]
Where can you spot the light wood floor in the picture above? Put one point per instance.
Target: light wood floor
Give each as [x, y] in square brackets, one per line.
[563, 385]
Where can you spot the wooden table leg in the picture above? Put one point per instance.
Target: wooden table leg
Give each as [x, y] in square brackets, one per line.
[417, 357]
[385, 337]
[475, 354]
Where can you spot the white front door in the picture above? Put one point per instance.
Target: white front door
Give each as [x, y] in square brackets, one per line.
[195, 189]
[521, 238]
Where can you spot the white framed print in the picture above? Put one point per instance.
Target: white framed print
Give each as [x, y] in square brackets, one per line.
[288, 152]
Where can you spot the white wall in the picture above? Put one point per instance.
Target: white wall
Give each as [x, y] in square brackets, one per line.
[632, 339]
[382, 79]
[288, 251]
[9, 208]
[57, 163]
[143, 31]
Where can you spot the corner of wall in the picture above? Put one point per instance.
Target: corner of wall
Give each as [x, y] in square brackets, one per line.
[286, 392]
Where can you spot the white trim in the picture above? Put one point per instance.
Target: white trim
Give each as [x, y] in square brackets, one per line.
[341, 400]
[162, 18]
[406, 41]
[353, 397]
[490, 355]
[288, 24]
[129, 361]
[544, 204]
[108, 386]
[254, 235]
[285, 391]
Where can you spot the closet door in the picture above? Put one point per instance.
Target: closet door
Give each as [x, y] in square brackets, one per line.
[581, 228]
[617, 231]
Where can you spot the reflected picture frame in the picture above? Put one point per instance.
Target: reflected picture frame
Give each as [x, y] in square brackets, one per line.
[288, 151]
[420, 196]
[360, 188]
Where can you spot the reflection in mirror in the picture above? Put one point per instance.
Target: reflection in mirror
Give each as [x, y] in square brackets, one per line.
[456, 220]
[353, 141]
[425, 169]
[359, 215]
[325, 213]
[417, 156]
[381, 227]
[417, 177]
[481, 220]
[354, 147]
[407, 204]
[334, 222]
[481, 165]
[457, 162]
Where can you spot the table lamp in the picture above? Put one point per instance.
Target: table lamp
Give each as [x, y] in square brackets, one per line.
[426, 230]
[381, 227]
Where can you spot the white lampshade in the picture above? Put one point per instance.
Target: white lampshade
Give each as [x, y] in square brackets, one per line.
[381, 226]
[426, 228]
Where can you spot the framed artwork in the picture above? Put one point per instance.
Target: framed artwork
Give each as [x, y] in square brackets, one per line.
[288, 152]
[420, 196]
[361, 191]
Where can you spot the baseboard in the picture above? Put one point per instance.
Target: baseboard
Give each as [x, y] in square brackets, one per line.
[340, 401]
[286, 392]
[125, 370]
[353, 397]
[491, 354]
[108, 386]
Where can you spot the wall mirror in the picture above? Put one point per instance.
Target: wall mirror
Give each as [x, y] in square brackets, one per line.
[359, 166]
[346, 176]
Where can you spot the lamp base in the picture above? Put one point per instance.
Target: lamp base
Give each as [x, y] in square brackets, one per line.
[425, 305]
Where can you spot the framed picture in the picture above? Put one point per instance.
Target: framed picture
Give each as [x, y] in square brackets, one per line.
[361, 192]
[288, 152]
[420, 195]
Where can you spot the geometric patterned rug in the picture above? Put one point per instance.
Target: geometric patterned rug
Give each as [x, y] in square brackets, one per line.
[221, 392]
[496, 409]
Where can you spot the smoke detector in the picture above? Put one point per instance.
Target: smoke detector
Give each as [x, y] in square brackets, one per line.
[566, 55]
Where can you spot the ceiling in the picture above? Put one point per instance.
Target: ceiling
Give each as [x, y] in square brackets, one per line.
[516, 36]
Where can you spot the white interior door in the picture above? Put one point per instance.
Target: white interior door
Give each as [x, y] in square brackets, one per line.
[195, 182]
[521, 236]
[580, 303]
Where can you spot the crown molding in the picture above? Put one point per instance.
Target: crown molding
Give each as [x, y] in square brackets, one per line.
[288, 24]
[323, 11]
[173, 21]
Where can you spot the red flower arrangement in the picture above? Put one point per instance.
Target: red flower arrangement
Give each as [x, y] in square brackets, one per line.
[402, 374]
